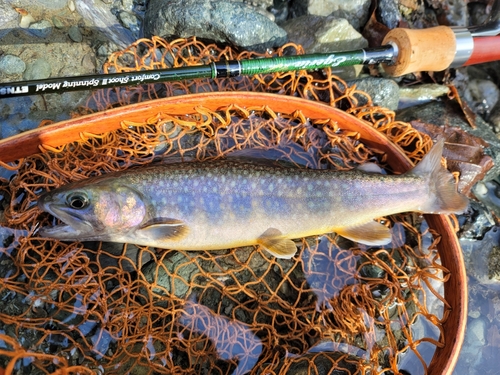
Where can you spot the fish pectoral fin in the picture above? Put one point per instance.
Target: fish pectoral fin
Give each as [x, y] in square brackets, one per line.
[272, 240]
[371, 233]
[164, 228]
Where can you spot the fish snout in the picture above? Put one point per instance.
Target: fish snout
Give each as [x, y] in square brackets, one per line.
[43, 201]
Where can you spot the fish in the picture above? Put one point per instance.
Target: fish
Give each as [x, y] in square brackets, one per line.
[228, 203]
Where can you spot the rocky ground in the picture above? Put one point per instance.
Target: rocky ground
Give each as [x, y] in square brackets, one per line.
[51, 38]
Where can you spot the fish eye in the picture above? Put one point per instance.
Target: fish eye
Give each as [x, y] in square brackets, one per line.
[77, 201]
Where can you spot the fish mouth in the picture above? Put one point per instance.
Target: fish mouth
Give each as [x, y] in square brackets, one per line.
[73, 227]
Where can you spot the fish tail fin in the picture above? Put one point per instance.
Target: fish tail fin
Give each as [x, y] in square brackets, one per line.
[443, 195]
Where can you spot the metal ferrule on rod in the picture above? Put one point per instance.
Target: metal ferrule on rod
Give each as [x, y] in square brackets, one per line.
[464, 46]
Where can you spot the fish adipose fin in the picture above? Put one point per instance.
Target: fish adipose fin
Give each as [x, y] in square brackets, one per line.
[272, 240]
[164, 228]
[372, 233]
[443, 195]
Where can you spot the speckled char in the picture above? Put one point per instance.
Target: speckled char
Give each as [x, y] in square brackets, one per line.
[227, 203]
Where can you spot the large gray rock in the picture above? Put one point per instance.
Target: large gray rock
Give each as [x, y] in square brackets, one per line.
[218, 20]
[383, 92]
[318, 34]
[356, 11]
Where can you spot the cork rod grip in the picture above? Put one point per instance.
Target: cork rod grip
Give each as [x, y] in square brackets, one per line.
[430, 49]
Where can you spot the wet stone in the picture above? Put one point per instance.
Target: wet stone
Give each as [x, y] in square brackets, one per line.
[494, 263]
[384, 92]
[485, 95]
[10, 64]
[388, 13]
[58, 23]
[40, 69]
[75, 34]
[41, 29]
[330, 34]
[420, 94]
[127, 19]
[88, 62]
[221, 21]
[356, 11]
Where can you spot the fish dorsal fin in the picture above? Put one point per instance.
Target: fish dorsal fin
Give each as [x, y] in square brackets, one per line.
[272, 240]
[431, 162]
[371, 233]
[164, 228]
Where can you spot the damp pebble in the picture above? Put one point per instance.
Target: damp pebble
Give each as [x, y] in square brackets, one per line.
[10, 64]
[75, 34]
[128, 20]
[128, 4]
[71, 5]
[40, 69]
[41, 29]
[102, 51]
[26, 21]
[58, 23]
[88, 62]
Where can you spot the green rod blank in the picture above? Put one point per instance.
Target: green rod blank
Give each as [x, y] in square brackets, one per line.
[231, 68]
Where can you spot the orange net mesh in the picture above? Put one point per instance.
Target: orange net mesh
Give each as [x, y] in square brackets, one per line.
[118, 308]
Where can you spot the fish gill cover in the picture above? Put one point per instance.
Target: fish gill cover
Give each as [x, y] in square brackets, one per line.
[336, 307]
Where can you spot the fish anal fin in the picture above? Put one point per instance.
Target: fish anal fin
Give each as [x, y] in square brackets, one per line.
[164, 228]
[274, 242]
[371, 233]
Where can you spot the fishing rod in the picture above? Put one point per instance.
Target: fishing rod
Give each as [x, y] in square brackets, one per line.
[403, 51]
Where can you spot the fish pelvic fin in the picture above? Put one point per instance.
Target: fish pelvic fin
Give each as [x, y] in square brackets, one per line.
[164, 228]
[274, 242]
[443, 195]
[371, 233]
